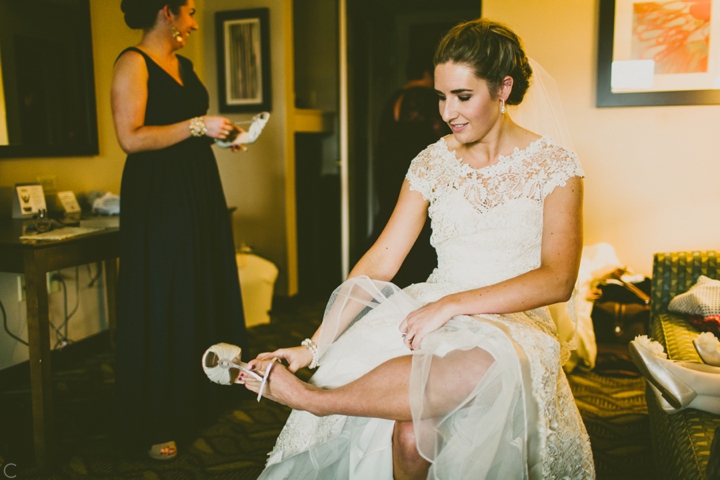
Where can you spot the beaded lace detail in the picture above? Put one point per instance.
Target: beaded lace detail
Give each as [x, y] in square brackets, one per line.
[532, 172]
[304, 430]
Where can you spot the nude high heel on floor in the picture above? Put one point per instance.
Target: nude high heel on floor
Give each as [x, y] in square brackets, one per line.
[156, 451]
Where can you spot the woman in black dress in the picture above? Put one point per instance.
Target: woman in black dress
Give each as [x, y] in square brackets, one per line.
[178, 285]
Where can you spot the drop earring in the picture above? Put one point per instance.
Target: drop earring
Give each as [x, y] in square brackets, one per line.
[176, 33]
[502, 106]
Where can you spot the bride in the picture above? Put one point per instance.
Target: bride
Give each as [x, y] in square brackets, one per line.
[459, 377]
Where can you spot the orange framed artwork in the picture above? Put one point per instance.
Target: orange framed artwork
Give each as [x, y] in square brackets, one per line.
[658, 53]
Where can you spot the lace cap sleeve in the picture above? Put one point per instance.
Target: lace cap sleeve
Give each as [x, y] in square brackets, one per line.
[419, 174]
[561, 164]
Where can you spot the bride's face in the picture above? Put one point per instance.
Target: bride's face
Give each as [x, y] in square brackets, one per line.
[466, 103]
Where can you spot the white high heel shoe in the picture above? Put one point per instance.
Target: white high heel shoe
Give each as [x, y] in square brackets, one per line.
[257, 124]
[706, 403]
[222, 365]
[680, 384]
[708, 347]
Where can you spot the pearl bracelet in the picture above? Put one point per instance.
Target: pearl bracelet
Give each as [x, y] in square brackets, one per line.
[197, 127]
[312, 346]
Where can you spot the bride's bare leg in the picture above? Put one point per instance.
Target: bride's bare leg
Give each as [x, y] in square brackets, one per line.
[382, 392]
[407, 462]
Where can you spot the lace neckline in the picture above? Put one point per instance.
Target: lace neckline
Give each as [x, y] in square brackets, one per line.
[533, 147]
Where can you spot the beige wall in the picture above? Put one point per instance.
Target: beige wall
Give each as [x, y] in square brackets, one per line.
[254, 181]
[651, 172]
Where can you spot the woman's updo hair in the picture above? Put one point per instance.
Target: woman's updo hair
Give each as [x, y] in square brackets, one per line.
[492, 50]
[142, 14]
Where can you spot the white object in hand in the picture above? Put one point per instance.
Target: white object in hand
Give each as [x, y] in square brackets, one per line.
[257, 124]
[221, 358]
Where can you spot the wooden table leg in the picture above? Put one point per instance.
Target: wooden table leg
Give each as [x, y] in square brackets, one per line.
[111, 292]
[40, 371]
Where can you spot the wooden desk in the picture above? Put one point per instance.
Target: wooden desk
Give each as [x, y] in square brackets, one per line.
[35, 260]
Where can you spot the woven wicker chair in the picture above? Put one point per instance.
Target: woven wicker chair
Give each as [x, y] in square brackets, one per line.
[681, 442]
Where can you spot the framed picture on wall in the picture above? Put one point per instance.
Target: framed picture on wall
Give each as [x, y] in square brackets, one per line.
[658, 53]
[243, 59]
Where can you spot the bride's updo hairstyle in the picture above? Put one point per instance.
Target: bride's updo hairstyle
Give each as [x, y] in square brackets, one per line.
[142, 14]
[492, 50]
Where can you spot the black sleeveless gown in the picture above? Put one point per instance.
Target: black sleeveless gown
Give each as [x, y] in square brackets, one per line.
[178, 287]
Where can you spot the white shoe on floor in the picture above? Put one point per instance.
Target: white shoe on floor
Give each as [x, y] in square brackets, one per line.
[163, 451]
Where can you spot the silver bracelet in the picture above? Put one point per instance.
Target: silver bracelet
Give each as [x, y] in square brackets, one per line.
[312, 346]
[197, 127]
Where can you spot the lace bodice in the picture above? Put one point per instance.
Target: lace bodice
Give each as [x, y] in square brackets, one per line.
[487, 223]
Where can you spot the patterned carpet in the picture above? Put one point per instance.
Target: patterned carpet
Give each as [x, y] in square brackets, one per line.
[613, 409]
[616, 417]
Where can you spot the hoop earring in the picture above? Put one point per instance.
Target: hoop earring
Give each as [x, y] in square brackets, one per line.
[176, 33]
[502, 106]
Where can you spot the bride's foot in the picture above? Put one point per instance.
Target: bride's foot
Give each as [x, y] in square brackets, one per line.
[280, 386]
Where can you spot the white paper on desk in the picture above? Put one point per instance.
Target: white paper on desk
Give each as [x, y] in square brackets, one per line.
[60, 233]
[68, 201]
[31, 198]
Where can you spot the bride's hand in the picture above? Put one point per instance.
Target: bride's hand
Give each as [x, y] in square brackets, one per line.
[426, 319]
[295, 357]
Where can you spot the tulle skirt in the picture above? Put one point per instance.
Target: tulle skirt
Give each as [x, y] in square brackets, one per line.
[484, 404]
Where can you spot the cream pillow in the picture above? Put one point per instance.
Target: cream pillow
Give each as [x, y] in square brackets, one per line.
[703, 298]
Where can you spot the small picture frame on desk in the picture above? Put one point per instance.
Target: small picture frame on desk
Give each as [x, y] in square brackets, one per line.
[68, 202]
[28, 200]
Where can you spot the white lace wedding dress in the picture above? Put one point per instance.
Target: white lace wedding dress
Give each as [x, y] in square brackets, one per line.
[509, 417]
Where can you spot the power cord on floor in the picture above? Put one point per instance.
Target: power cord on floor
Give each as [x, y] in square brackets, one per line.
[2, 308]
[62, 331]
[96, 277]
